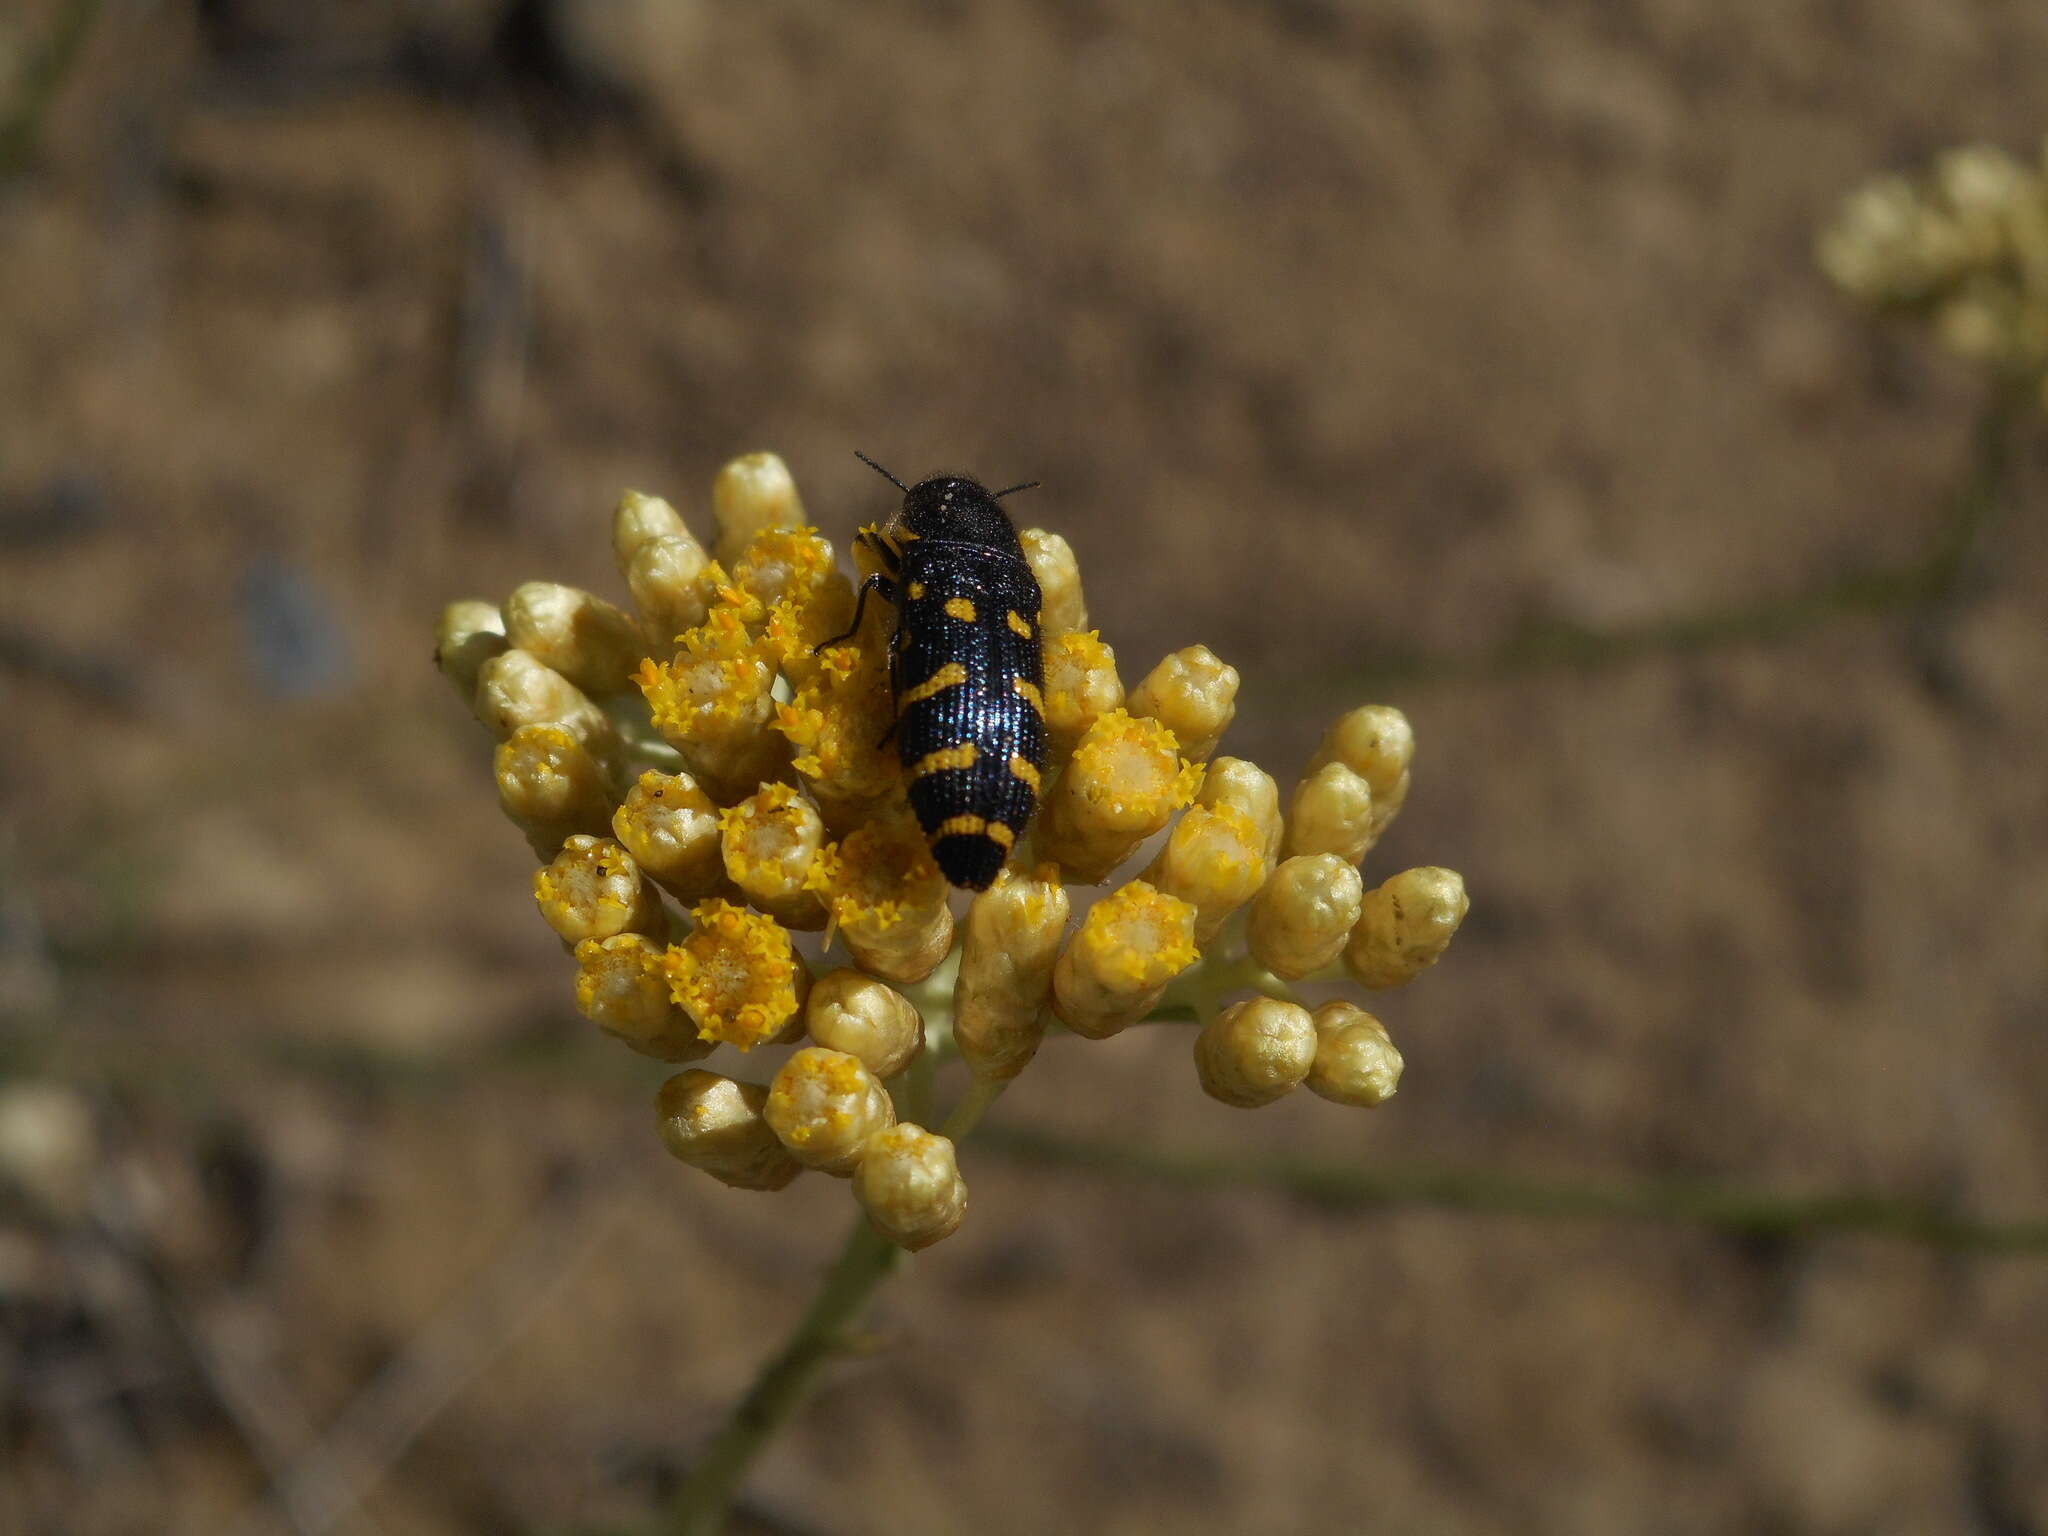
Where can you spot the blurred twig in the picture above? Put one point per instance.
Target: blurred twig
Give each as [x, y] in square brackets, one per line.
[1742, 1212]
[1929, 580]
[21, 123]
[323, 1486]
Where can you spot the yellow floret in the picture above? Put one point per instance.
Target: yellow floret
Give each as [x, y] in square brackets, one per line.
[736, 975]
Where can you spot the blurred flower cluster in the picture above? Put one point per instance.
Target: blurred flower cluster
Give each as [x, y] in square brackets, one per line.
[1965, 246]
[704, 784]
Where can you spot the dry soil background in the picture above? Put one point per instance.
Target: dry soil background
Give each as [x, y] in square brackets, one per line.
[1335, 331]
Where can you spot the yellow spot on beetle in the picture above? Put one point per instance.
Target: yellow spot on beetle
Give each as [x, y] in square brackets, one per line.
[951, 675]
[1020, 624]
[1028, 691]
[960, 608]
[916, 590]
[962, 826]
[962, 756]
[1021, 768]
[999, 834]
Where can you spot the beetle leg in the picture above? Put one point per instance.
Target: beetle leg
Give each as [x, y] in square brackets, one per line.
[881, 584]
[895, 684]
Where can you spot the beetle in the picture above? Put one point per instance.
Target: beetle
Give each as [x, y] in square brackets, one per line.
[966, 666]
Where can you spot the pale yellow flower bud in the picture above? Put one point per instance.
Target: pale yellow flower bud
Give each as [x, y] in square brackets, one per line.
[1129, 946]
[836, 724]
[1405, 925]
[1355, 1062]
[824, 1105]
[1249, 788]
[590, 642]
[638, 519]
[1013, 937]
[910, 1186]
[1193, 693]
[769, 842]
[887, 899]
[669, 584]
[1302, 917]
[1125, 782]
[1052, 561]
[794, 566]
[713, 703]
[1255, 1051]
[852, 1012]
[1331, 813]
[752, 493]
[716, 1124]
[622, 987]
[593, 890]
[470, 633]
[1215, 861]
[1376, 742]
[514, 689]
[670, 827]
[1081, 686]
[550, 787]
[737, 975]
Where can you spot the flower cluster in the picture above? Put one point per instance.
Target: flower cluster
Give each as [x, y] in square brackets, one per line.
[1966, 246]
[704, 779]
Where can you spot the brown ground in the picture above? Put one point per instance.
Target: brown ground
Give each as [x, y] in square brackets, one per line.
[1335, 331]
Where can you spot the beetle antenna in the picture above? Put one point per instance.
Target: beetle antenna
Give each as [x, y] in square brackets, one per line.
[871, 464]
[1028, 485]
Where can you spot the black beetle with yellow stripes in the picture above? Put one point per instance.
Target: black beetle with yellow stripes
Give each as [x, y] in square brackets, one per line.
[966, 666]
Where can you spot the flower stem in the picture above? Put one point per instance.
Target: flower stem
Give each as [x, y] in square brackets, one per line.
[784, 1381]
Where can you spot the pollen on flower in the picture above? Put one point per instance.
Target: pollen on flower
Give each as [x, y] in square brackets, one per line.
[769, 842]
[1125, 782]
[836, 724]
[795, 566]
[887, 899]
[1081, 686]
[736, 975]
[1129, 946]
[824, 1105]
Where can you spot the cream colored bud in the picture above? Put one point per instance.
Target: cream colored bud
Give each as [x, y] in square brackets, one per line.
[714, 703]
[1331, 813]
[1255, 1051]
[550, 787]
[716, 1124]
[824, 1105]
[639, 518]
[515, 689]
[1405, 925]
[1013, 937]
[769, 841]
[470, 633]
[1193, 693]
[1302, 917]
[670, 827]
[583, 637]
[1213, 860]
[1376, 742]
[1125, 782]
[1236, 782]
[887, 899]
[1081, 686]
[593, 890]
[1052, 561]
[854, 1013]
[1129, 946]
[1356, 1063]
[622, 986]
[910, 1186]
[752, 493]
[669, 588]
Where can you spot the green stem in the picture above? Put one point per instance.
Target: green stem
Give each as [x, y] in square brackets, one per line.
[786, 1379]
[784, 1382]
[1751, 1213]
